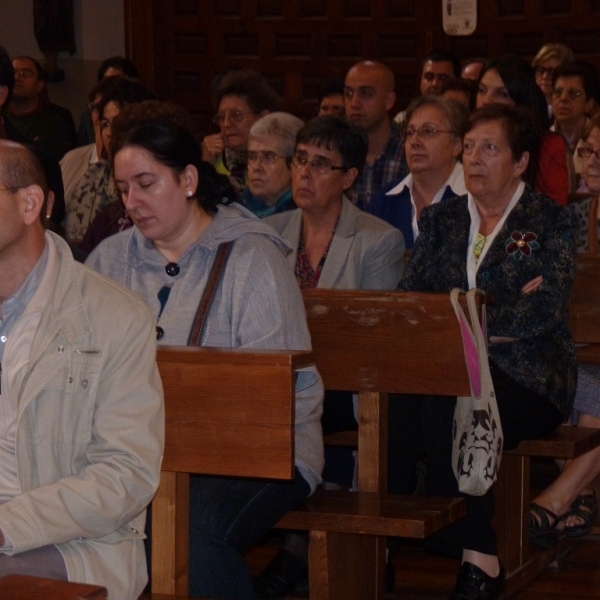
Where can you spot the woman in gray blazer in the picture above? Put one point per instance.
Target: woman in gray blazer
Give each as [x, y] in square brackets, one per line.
[335, 245]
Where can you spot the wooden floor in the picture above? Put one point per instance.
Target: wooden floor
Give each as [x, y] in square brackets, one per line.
[422, 576]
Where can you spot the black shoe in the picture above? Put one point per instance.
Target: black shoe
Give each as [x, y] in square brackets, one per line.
[474, 584]
[282, 576]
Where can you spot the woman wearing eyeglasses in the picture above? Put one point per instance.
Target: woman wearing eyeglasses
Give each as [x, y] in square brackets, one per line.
[241, 97]
[270, 148]
[574, 87]
[546, 60]
[519, 246]
[335, 245]
[432, 145]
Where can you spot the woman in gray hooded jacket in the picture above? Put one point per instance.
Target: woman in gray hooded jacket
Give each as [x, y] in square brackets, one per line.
[177, 205]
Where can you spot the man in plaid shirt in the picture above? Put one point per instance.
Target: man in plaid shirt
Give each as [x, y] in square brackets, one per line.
[369, 95]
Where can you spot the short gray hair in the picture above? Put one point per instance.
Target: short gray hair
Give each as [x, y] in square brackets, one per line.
[280, 125]
[456, 113]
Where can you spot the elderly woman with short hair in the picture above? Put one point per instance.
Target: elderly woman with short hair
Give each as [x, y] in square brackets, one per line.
[270, 149]
[517, 245]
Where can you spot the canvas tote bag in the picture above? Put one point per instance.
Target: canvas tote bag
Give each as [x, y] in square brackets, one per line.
[476, 430]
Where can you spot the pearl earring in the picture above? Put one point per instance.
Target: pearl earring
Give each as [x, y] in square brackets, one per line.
[189, 193]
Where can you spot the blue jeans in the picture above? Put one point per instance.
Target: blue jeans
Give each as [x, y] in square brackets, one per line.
[227, 517]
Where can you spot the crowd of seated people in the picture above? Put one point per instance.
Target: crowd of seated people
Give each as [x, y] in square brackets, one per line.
[471, 177]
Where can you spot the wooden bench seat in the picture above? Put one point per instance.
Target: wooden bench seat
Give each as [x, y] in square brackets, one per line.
[565, 442]
[375, 514]
[203, 388]
[25, 587]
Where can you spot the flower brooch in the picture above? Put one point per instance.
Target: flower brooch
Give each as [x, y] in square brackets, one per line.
[521, 243]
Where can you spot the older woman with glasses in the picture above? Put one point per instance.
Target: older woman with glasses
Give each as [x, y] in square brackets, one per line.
[270, 148]
[241, 97]
[546, 60]
[574, 87]
[432, 146]
[335, 244]
[517, 245]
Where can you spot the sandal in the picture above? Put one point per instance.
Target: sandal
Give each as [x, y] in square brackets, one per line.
[543, 525]
[585, 507]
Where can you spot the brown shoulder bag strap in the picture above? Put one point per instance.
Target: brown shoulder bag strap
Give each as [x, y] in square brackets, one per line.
[216, 272]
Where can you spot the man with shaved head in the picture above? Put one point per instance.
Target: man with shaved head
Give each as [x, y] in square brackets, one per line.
[369, 96]
[81, 406]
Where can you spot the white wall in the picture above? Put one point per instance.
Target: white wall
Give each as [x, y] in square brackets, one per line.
[99, 33]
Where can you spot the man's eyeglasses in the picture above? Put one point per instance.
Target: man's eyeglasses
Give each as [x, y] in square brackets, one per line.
[586, 152]
[541, 71]
[424, 132]
[318, 165]
[236, 116]
[572, 93]
[264, 157]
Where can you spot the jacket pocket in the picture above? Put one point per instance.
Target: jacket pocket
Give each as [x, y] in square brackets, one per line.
[64, 408]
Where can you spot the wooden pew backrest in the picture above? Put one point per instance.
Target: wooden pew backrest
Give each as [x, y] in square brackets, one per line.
[365, 341]
[226, 411]
[584, 308]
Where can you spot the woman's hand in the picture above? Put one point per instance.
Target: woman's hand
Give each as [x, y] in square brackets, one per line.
[212, 147]
[533, 285]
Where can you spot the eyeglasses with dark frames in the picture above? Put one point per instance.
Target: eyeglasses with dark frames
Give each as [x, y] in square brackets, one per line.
[572, 93]
[586, 152]
[318, 165]
[541, 71]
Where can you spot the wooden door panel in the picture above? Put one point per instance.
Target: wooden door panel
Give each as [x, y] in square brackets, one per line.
[181, 45]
